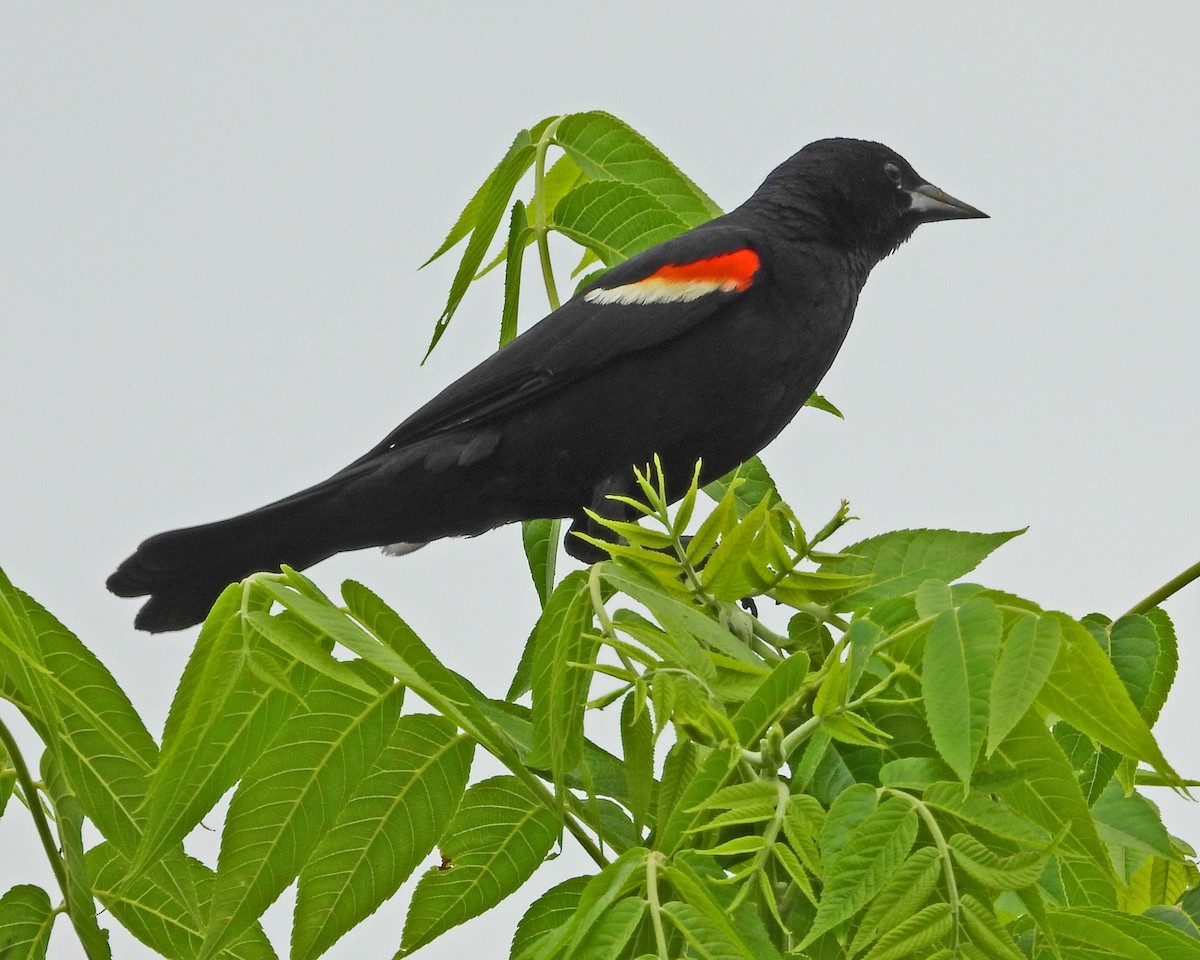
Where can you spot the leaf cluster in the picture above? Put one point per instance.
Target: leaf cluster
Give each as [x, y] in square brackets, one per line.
[841, 753]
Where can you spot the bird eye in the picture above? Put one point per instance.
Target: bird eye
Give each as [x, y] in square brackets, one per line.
[893, 172]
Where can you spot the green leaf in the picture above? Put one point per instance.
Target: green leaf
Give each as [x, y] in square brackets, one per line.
[851, 808]
[637, 742]
[1045, 791]
[600, 773]
[1131, 822]
[394, 647]
[709, 776]
[26, 919]
[220, 721]
[821, 403]
[559, 686]
[615, 219]
[679, 767]
[900, 897]
[519, 236]
[548, 913]
[81, 908]
[8, 780]
[735, 569]
[993, 870]
[751, 485]
[933, 597]
[961, 652]
[605, 148]
[1176, 917]
[1135, 938]
[601, 891]
[540, 538]
[390, 823]
[1159, 882]
[291, 796]
[871, 854]
[302, 645]
[914, 773]
[776, 696]
[986, 931]
[498, 837]
[684, 622]
[707, 939]
[613, 931]
[1165, 664]
[164, 905]
[104, 749]
[485, 212]
[1132, 645]
[980, 810]
[695, 878]
[1029, 651]
[928, 927]
[901, 561]
[1083, 688]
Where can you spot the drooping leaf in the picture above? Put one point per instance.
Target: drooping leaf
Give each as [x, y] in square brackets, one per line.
[106, 753]
[559, 685]
[1084, 689]
[69, 815]
[540, 538]
[637, 742]
[484, 213]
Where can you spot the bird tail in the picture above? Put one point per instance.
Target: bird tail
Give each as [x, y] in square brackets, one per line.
[183, 571]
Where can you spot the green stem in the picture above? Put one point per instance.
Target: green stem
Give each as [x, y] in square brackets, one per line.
[939, 840]
[653, 859]
[1172, 586]
[541, 229]
[34, 802]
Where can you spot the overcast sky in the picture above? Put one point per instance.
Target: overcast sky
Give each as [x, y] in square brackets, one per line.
[211, 217]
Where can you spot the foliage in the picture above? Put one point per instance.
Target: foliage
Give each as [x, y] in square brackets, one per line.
[905, 764]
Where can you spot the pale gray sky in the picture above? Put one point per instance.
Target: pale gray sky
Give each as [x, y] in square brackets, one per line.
[211, 215]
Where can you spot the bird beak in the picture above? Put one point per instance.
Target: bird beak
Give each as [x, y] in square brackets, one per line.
[932, 203]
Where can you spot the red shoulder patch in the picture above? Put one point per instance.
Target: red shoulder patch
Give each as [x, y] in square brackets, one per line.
[729, 270]
[679, 282]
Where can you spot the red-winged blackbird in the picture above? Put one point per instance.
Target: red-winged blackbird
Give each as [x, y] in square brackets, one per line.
[703, 347]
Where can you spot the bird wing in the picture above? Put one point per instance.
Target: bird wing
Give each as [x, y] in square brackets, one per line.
[655, 296]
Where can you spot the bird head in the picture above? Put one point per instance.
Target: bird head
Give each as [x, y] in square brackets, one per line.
[860, 194]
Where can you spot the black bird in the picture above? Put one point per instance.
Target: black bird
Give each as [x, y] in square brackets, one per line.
[704, 346]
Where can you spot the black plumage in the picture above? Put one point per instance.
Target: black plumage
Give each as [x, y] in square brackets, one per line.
[703, 347]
